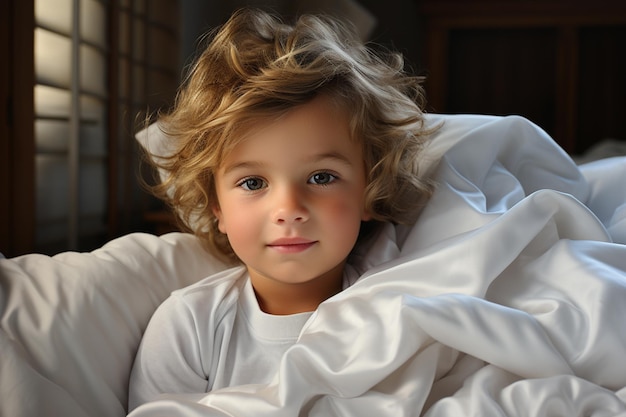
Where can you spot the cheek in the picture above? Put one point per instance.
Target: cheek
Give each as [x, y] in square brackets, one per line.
[344, 214]
[241, 226]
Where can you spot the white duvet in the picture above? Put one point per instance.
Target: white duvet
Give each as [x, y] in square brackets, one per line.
[506, 298]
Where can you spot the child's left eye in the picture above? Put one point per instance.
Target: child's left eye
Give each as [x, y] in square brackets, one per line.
[322, 178]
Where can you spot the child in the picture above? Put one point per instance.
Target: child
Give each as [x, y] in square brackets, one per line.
[291, 144]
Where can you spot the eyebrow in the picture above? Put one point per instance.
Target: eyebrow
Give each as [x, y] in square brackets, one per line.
[334, 156]
[242, 165]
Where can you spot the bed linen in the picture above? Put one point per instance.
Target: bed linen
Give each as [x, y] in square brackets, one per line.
[507, 297]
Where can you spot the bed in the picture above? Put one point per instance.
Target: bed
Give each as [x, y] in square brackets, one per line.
[507, 297]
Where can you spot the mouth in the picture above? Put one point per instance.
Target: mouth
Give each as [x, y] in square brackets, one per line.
[291, 245]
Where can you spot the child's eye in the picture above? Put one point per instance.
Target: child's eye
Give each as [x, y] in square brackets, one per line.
[251, 184]
[322, 178]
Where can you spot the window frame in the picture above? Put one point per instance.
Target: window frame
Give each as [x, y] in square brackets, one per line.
[127, 204]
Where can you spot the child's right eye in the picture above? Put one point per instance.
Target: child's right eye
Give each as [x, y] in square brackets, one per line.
[251, 184]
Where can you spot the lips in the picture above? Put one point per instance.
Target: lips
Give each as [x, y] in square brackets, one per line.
[291, 245]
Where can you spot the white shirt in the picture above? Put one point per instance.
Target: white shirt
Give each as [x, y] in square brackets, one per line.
[211, 335]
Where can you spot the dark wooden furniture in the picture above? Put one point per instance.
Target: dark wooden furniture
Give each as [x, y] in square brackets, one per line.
[562, 64]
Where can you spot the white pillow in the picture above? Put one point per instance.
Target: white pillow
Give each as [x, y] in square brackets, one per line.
[71, 324]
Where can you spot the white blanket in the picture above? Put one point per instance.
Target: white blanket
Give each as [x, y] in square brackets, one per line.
[506, 298]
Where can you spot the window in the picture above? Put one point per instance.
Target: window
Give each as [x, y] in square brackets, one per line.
[71, 129]
[97, 67]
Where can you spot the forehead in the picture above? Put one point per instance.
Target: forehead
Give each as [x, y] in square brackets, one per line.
[321, 125]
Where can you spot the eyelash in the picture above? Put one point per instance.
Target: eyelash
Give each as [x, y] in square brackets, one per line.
[243, 183]
[332, 178]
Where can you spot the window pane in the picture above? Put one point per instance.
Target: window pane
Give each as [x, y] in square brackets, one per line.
[92, 140]
[52, 187]
[53, 58]
[52, 135]
[93, 231]
[55, 15]
[122, 184]
[52, 102]
[52, 237]
[93, 70]
[92, 110]
[93, 22]
[93, 187]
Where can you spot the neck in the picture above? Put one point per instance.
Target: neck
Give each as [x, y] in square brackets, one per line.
[279, 298]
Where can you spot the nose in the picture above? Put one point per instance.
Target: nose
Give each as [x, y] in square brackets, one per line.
[289, 206]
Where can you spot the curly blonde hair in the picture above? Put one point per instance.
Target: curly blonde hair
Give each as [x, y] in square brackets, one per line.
[255, 67]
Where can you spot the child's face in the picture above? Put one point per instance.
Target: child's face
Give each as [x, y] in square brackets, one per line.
[291, 196]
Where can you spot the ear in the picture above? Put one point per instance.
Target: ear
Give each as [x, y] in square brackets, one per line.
[366, 215]
[217, 212]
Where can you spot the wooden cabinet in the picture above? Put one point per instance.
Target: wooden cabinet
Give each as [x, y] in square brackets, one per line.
[561, 64]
